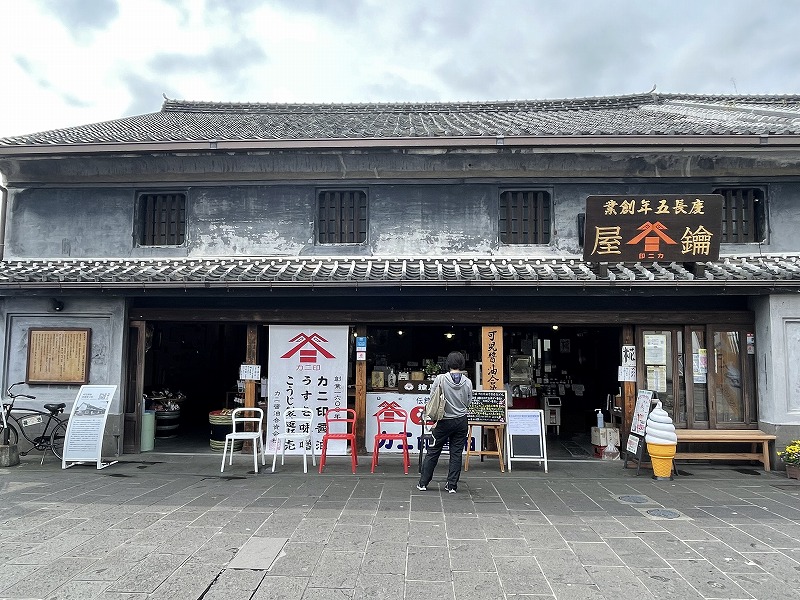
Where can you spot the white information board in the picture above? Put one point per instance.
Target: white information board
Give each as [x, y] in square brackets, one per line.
[525, 437]
[87, 422]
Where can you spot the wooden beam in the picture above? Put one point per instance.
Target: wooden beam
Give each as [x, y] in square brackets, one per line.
[361, 397]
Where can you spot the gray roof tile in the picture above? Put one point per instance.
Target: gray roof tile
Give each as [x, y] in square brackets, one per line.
[642, 114]
[783, 270]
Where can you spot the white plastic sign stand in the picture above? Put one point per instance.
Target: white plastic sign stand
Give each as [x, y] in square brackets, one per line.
[525, 437]
[87, 422]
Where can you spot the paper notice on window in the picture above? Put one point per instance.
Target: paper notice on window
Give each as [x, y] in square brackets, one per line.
[655, 349]
[657, 378]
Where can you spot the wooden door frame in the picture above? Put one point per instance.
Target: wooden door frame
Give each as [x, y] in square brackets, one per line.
[136, 370]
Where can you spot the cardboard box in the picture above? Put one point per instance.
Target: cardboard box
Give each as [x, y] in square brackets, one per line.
[602, 435]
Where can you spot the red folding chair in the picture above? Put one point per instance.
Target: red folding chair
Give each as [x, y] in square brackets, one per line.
[391, 415]
[335, 420]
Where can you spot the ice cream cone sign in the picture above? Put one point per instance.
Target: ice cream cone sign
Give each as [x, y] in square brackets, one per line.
[661, 442]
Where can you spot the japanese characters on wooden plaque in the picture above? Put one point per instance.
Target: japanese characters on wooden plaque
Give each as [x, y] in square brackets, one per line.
[58, 355]
[679, 228]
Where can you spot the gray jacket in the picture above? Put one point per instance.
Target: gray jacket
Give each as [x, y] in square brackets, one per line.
[457, 395]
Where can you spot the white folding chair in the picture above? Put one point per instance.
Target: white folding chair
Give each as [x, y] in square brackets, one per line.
[297, 428]
[239, 433]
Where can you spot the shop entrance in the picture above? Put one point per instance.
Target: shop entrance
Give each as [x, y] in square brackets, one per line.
[188, 370]
[196, 367]
[576, 365]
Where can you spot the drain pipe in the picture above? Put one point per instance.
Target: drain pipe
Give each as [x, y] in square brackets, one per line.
[3, 204]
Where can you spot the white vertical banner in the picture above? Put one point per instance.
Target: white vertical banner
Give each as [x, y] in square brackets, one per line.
[307, 368]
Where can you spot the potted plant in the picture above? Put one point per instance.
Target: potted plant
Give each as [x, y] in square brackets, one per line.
[790, 455]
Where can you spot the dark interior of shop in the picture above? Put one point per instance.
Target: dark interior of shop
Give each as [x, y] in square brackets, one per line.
[198, 364]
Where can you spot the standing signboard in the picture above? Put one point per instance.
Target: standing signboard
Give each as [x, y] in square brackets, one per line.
[525, 437]
[87, 422]
[635, 444]
[307, 368]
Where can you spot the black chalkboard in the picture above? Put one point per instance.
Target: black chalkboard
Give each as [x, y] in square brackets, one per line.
[525, 437]
[488, 406]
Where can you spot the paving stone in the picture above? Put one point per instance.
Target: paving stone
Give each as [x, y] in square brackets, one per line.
[297, 558]
[618, 583]
[235, 584]
[471, 555]
[187, 582]
[280, 588]
[477, 586]
[765, 585]
[666, 584]
[386, 587]
[337, 569]
[521, 575]
[561, 566]
[633, 552]
[44, 580]
[464, 528]
[389, 530]
[668, 547]
[258, 553]
[147, 574]
[428, 563]
[707, 579]
[348, 536]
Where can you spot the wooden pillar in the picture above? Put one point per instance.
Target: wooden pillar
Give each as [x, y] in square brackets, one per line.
[628, 391]
[251, 358]
[361, 397]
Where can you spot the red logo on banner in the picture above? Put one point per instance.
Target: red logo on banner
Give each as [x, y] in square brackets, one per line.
[308, 355]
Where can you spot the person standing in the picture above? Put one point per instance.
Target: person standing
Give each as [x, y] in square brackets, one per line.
[452, 428]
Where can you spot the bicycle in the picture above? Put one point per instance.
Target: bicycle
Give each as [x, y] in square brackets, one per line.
[44, 429]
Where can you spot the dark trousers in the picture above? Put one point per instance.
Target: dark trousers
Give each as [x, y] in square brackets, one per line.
[454, 433]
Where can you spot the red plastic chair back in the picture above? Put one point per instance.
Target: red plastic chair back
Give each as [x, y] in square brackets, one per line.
[338, 418]
[391, 415]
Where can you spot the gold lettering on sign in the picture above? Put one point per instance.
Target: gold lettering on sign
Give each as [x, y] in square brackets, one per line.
[58, 355]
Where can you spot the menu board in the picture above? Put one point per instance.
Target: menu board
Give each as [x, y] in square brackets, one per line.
[488, 406]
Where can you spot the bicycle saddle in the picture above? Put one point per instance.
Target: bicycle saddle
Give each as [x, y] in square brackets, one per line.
[55, 408]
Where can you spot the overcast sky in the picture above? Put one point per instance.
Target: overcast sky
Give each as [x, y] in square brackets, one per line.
[73, 62]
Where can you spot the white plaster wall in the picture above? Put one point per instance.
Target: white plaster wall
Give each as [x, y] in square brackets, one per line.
[104, 316]
[778, 358]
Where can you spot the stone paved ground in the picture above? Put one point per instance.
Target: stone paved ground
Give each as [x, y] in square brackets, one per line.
[175, 528]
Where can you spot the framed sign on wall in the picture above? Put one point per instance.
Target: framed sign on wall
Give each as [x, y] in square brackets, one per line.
[58, 355]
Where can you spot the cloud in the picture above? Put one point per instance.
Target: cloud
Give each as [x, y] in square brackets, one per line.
[81, 17]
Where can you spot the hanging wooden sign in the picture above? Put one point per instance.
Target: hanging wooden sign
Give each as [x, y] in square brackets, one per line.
[669, 228]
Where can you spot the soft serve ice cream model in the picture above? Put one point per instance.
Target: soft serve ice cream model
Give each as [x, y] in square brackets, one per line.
[661, 441]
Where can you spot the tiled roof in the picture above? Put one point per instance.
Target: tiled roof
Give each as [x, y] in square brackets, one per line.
[120, 274]
[642, 114]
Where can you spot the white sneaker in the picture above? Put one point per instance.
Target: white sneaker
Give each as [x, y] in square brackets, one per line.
[422, 488]
[449, 489]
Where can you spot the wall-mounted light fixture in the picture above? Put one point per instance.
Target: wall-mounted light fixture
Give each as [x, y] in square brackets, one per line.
[58, 305]
[449, 335]
[399, 332]
[555, 327]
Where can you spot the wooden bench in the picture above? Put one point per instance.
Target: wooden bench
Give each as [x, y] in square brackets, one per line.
[727, 436]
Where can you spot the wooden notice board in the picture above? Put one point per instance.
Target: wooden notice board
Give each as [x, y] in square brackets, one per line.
[525, 437]
[58, 355]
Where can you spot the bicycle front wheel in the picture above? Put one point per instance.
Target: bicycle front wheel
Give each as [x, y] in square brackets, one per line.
[57, 439]
[13, 436]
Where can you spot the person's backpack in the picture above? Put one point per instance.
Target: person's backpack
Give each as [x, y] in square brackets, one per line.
[434, 408]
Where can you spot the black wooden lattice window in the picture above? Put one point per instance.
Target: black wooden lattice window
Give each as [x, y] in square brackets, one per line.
[342, 217]
[743, 215]
[162, 219]
[525, 217]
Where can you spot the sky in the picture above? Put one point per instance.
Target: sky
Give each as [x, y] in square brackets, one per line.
[73, 62]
